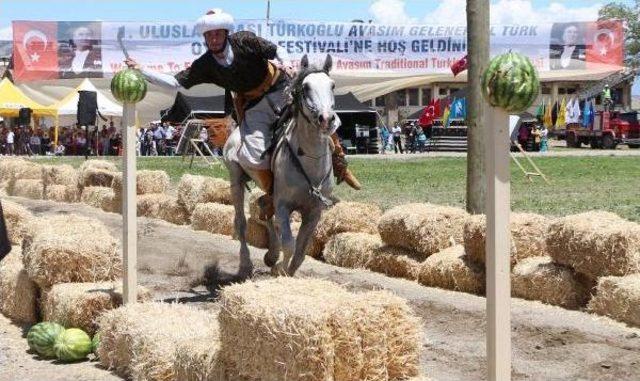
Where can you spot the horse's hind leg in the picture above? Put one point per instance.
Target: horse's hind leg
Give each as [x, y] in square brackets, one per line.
[238, 183]
[309, 223]
[272, 255]
[286, 239]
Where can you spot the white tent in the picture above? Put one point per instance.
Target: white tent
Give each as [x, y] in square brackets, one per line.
[69, 104]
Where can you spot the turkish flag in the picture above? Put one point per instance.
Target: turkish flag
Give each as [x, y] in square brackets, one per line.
[459, 66]
[35, 50]
[605, 43]
[428, 114]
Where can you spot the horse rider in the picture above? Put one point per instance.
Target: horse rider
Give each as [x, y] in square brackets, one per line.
[241, 63]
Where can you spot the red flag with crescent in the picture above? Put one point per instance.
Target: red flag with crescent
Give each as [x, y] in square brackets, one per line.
[35, 50]
[605, 43]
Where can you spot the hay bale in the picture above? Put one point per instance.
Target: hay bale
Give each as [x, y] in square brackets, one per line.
[351, 250]
[91, 177]
[538, 278]
[7, 167]
[528, 232]
[61, 193]
[18, 294]
[97, 164]
[138, 341]
[451, 269]
[214, 218]
[59, 175]
[28, 188]
[257, 234]
[18, 219]
[98, 197]
[394, 261]
[193, 190]
[310, 329]
[79, 304]
[147, 182]
[343, 217]
[618, 298]
[200, 360]
[595, 244]
[162, 206]
[422, 228]
[26, 170]
[70, 248]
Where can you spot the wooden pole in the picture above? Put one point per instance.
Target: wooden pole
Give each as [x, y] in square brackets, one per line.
[498, 203]
[129, 205]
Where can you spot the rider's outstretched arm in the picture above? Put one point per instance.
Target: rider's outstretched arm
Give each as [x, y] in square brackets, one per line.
[161, 79]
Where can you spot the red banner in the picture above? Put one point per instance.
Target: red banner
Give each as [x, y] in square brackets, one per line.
[35, 45]
[605, 43]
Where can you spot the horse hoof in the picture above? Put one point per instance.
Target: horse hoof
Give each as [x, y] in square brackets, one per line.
[245, 272]
[278, 270]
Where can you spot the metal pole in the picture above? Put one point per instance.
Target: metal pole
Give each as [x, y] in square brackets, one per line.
[129, 207]
[498, 207]
[268, 10]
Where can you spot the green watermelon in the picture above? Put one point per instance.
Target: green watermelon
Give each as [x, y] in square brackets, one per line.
[129, 86]
[42, 336]
[73, 344]
[95, 342]
[510, 82]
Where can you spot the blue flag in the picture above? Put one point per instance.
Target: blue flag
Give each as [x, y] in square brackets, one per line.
[459, 108]
[586, 117]
[592, 114]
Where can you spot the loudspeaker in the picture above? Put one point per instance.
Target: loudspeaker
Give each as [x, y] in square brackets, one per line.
[24, 116]
[87, 107]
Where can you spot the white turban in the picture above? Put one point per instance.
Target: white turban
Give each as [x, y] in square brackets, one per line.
[215, 19]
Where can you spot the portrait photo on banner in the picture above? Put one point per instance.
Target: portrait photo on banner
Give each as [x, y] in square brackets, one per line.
[79, 49]
[567, 47]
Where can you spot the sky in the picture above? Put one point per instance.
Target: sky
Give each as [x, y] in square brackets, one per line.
[385, 11]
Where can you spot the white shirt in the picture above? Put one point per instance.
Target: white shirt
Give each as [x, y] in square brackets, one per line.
[168, 132]
[565, 57]
[204, 135]
[10, 137]
[77, 65]
[397, 131]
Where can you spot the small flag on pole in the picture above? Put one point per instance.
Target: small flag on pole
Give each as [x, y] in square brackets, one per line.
[459, 66]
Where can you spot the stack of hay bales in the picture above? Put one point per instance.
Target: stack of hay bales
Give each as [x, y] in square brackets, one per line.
[193, 190]
[26, 181]
[18, 294]
[452, 269]
[343, 217]
[7, 169]
[424, 229]
[139, 341]
[528, 232]
[79, 304]
[538, 278]
[70, 248]
[618, 298]
[96, 173]
[214, 218]
[60, 183]
[310, 329]
[98, 197]
[18, 219]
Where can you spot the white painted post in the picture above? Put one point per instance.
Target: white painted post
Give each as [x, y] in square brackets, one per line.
[498, 207]
[129, 205]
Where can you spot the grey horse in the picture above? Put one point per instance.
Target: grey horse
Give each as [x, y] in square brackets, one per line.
[302, 167]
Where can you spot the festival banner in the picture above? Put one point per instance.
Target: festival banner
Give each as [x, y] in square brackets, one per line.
[49, 50]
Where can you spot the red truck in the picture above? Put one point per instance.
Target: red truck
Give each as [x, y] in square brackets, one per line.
[608, 130]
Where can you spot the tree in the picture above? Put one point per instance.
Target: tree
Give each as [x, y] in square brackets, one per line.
[630, 15]
[478, 49]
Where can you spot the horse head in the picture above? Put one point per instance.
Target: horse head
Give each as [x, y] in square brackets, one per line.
[313, 96]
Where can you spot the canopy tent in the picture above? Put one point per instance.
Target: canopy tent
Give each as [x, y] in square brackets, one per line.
[186, 106]
[69, 104]
[12, 99]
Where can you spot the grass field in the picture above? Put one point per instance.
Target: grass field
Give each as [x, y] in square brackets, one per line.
[577, 183]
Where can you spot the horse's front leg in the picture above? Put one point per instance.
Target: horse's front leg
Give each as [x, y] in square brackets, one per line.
[309, 223]
[240, 222]
[273, 253]
[287, 241]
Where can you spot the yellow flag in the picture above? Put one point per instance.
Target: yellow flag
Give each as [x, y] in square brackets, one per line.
[562, 114]
[445, 116]
[547, 115]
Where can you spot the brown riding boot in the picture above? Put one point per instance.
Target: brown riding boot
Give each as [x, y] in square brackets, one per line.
[264, 179]
[340, 169]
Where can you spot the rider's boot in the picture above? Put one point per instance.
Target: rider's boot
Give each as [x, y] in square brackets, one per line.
[340, 169]
[264, 179]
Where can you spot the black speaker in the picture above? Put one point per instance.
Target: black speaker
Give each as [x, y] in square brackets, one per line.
[87, 108]
[24, 116]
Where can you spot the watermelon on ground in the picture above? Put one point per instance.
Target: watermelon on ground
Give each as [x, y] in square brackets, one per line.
[42, 336]
[73, 344]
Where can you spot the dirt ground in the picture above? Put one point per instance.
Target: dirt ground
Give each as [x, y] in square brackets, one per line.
[549, 343]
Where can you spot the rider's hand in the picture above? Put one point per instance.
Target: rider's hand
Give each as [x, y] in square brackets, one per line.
[131, 63]
[291, 72]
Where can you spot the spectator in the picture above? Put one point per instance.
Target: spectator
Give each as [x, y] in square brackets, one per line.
[169, 134]
[523, 136]
[544, 139]
[158, 139]
[45, 140]
[421, 138]
[34, 143]
[204, 137]
[105, 141]
[384, 136]
[60, 150]
[536, 138]
[81, 142]
[11, 149]
[397, 138]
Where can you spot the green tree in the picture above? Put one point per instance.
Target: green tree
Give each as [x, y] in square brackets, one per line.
[630, 14]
